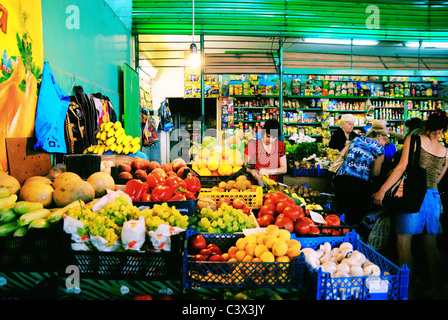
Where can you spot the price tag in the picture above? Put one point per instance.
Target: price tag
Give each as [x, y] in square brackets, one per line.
[378, 286]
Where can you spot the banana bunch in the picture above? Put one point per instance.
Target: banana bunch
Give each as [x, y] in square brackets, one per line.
[314, 206]
[111, 137]
[268, 181]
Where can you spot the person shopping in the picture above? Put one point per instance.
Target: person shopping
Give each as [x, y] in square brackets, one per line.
[353, 182]
[433, 157]
[344, 134]
[266, 156]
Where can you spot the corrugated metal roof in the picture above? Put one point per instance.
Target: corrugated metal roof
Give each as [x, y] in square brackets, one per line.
[392, 20]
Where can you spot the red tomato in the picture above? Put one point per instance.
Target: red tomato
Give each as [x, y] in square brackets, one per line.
[165, 297]
[314, 230]
[246, 210]
[239, 203]
[311, 222]
[280, 196]
[268, 195]
[199, 257]
[284, 222]
[333, 220]
[291, 201]
[266, 220]
[214, 248]
[293, 212]
[224, 200]
[266, 209]
[301, 227]
[281, 206]
[217, 257]
[198, 242]
[270, 201]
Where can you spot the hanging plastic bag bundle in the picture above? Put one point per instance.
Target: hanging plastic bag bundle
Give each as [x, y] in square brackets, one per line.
[52, 106]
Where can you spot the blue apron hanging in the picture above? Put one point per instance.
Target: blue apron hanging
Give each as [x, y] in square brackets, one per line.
[52, 106]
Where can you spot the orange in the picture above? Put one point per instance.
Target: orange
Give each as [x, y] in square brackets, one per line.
[225, 169]
[232, 251]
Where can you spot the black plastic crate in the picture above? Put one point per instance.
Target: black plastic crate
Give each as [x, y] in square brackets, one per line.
[38, 251]
[127, 265]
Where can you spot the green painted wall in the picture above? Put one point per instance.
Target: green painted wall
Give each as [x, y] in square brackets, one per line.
[86, 39]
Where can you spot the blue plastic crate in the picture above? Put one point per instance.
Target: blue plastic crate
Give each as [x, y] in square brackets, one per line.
[303, 172]
[210, 274]
[391, 285]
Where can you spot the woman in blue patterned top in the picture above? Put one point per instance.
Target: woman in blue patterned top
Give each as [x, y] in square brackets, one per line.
[353, 183]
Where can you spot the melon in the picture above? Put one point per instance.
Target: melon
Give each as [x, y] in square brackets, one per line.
[36, 191]
[7, 181]
[65, 176]
[72, 190]
[101, 182]
[38, 179]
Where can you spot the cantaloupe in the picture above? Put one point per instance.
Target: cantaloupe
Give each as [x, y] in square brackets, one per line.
[9, 182]
[65, 176]
[101, 182]
[72, 190]
[36, 191]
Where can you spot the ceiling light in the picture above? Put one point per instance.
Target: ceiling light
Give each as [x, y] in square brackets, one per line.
[416, 44]
[342, 41]
[194, 61]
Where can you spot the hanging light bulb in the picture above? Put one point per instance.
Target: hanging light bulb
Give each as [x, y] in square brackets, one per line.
[194, 61]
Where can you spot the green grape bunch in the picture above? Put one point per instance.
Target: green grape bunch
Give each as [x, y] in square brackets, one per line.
[225, 219]
[164, 214]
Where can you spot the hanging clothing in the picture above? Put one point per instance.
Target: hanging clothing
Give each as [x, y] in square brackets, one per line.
[166, 120]
[150, 136]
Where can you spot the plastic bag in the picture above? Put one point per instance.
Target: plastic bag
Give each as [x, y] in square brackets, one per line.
[52, 106]
[133, 234]
[161, 238]
[101, 244]
[71, 226]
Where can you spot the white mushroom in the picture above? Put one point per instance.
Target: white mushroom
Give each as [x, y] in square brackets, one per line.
[356, 271]
[325, 257]
[320, 253]
[346, 245]
[359, 257]
[340, 274]
[372, 270]
[308, 251]
[343, 267]
[335, 252]
[329, 267]
[312, 261]
[334, 259]
[326, 247]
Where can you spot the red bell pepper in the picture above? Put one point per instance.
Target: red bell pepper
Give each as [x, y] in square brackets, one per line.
[178, 197]
[146, 197]
[135, 189]
[154, 180]
[161, 193]
[193, 184]
[187, 194]
[175, 182]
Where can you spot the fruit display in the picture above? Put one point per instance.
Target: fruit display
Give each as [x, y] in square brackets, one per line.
[226, 219]
[341, 261]
[241, 183]
[108, 221]
[112, 137]
[215, 158]
[18, 216]
[140, 168]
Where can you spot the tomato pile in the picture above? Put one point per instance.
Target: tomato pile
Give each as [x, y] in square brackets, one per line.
[281, 210]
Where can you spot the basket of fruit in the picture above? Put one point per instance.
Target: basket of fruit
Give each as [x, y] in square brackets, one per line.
[269, 259]
[96, 241]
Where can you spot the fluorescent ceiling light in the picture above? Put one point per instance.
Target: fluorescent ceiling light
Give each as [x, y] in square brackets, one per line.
[416, 44]
[342, 41]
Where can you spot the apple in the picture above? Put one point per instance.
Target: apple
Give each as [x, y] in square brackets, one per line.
[224, 200]
[198, 242]
[217, 257]
[199, 257]
[178, 163]
[239, 203]
[214, 248]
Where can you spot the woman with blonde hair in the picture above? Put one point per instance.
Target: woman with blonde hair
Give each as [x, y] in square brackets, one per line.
[344, 134]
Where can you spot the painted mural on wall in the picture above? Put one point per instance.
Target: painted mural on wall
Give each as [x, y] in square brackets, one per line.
[21, 64]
